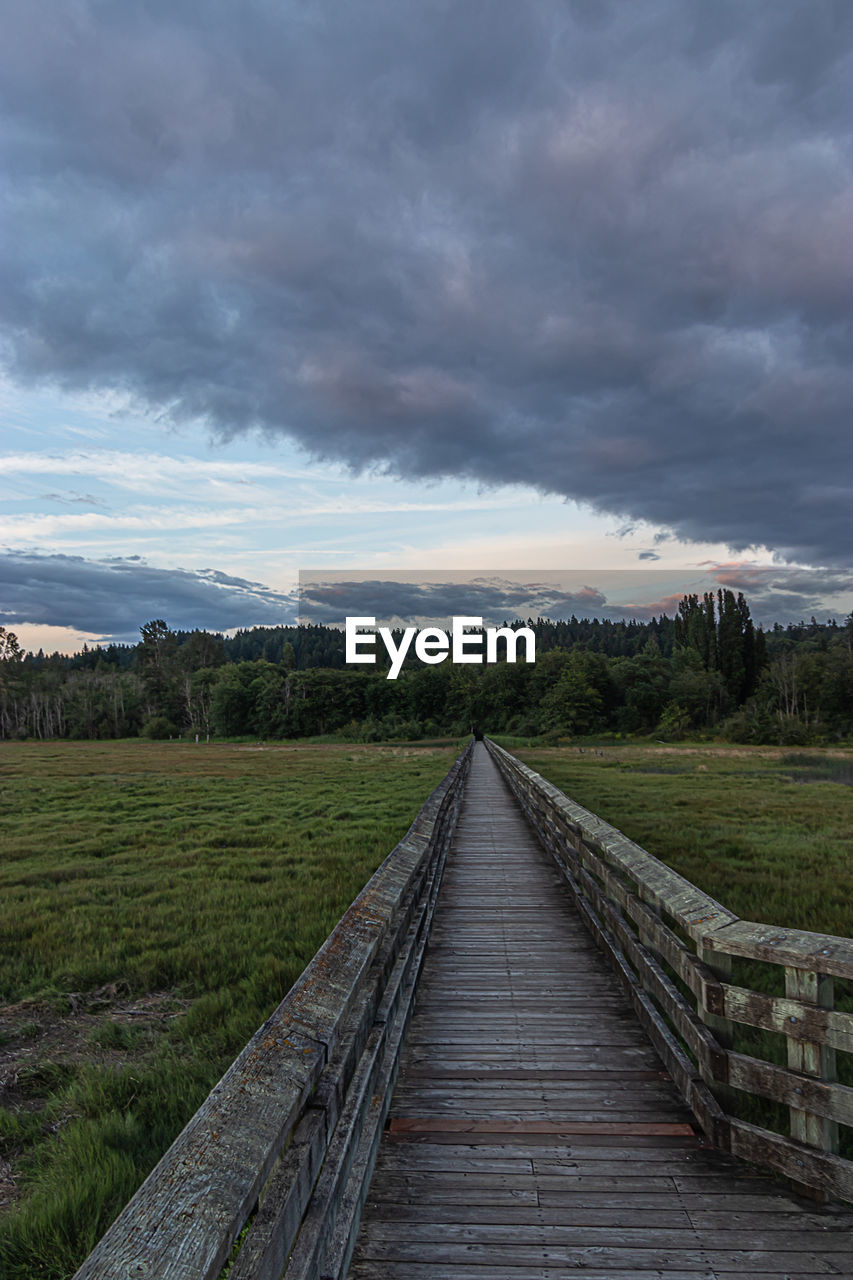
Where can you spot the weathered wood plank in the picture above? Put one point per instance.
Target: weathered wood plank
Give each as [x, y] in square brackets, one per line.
[576, 1094]
[796, 1019]
[492, 1232]
[600, 1257]
[799, 1091]
[570, 1127]
[670, 1213]
[581, 1155]
[819, 952]
[433, 1190]
[408, 1270]
[800, 1163]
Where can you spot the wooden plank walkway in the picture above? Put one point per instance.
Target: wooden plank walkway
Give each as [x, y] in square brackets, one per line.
[533, 1132]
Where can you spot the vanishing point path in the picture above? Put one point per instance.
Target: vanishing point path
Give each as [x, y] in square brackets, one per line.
[533, 1132]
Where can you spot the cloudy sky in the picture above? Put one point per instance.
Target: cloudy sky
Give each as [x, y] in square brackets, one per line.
[419, 284]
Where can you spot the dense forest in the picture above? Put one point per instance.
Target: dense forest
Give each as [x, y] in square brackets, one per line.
[708, 670]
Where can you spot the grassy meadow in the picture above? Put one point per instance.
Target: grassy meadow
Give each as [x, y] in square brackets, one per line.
[157, 900]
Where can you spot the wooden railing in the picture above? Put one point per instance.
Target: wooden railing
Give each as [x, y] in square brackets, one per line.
[284, 1145]
[674, 947]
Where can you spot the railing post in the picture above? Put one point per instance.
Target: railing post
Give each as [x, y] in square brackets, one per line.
[723, 1028]
[721, 966]
[813, 1059]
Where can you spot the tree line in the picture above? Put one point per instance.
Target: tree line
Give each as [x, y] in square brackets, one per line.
[706, 670]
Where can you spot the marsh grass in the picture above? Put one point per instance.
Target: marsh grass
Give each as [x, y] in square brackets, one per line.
[157, 900]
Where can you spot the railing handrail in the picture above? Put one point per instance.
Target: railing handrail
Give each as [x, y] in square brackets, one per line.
[628, 898]
[183, 1220]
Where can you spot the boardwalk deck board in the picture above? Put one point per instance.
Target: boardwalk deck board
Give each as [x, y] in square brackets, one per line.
[520, 1036]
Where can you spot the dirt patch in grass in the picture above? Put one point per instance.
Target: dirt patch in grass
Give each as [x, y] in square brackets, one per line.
[41, 1046]
[34, 1031]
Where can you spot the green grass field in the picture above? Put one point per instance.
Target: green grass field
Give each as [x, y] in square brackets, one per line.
[157, 900]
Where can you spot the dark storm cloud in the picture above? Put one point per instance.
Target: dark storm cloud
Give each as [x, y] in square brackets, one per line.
[113, 598]
[494, 600]
[605, 250]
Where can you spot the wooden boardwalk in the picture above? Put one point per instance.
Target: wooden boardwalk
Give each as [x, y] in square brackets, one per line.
[533, 1132]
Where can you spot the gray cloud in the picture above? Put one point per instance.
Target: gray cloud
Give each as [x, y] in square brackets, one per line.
[492, 599]
[603, 250]
[113, 598]
[776, 594]
[780, 594]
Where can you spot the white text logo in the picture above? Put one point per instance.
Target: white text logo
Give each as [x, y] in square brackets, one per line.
[464, 643]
